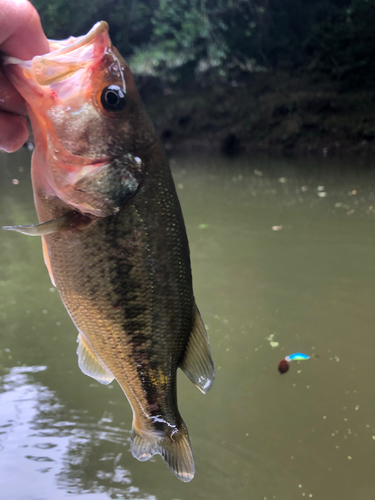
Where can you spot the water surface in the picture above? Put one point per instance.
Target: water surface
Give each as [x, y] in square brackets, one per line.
[283, 261]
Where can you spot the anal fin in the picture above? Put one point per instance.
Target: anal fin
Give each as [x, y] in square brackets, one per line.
[197, 362]
[89, 363]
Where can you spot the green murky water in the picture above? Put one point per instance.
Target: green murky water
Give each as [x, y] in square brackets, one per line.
[283, 255]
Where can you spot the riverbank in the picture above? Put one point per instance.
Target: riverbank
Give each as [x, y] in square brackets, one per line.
[275, 113]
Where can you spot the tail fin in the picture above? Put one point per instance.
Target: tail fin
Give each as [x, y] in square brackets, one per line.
[175, 450]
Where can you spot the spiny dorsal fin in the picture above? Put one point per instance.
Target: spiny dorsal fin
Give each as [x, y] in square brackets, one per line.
[175, 450]
[197, 362]
[89, 363]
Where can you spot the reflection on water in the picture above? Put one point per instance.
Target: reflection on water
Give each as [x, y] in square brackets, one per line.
[283, 261]
[38, 435]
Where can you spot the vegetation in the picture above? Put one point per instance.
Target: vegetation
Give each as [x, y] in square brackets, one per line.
[228, 40]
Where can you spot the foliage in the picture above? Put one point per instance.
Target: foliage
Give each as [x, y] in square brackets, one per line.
[343, 42]
[186, 41]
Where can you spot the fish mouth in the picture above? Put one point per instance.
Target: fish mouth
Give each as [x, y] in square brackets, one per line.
[52, 78]
[60, 47]
[66, 57]
[61, 90]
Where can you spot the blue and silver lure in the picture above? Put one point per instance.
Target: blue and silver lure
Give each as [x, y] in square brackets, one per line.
[284, 363]
[297, 356]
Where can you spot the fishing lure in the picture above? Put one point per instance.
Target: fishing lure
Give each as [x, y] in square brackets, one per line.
[284, 363]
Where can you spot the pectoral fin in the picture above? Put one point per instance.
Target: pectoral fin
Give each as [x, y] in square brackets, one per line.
[197, 362]
[42, 229]
[89, 363]
[70, 220]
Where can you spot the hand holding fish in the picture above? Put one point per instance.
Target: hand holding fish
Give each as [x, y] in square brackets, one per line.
[22, 36]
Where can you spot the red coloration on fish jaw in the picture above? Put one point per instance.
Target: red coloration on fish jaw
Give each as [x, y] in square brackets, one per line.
[74, 134]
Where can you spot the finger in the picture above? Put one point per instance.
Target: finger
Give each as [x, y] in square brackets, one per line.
[21, 33]
[10, 99]
[14, 131]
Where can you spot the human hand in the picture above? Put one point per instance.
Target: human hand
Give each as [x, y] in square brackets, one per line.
[22, 36]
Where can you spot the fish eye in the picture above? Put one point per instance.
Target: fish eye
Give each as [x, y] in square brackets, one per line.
[113, 98]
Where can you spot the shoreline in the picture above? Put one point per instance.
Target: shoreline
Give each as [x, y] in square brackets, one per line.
[272, 113]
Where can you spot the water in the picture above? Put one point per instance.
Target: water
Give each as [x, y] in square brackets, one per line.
[283, 261]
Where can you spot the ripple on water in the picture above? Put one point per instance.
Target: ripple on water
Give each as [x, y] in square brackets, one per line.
[71, 443]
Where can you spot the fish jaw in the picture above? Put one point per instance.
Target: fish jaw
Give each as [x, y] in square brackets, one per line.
[66, 57]
[74, 135]
[66, 62]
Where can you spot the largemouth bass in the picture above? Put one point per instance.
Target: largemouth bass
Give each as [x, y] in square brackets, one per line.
[114, 239]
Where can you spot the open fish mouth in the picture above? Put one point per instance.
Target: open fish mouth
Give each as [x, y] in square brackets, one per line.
[60, 47]
[74, 121]
[66, 57]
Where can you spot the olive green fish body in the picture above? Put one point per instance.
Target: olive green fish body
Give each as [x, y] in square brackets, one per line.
[126, 282]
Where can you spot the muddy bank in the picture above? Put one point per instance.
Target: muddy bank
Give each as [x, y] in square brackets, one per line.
[271, 113]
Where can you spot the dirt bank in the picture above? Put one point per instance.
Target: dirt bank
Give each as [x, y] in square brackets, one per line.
[271, 113]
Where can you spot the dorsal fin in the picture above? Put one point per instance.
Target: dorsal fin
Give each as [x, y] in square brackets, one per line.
[89, 363]
[197, 362]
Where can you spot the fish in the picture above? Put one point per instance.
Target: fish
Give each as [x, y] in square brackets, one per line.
[113, 235]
